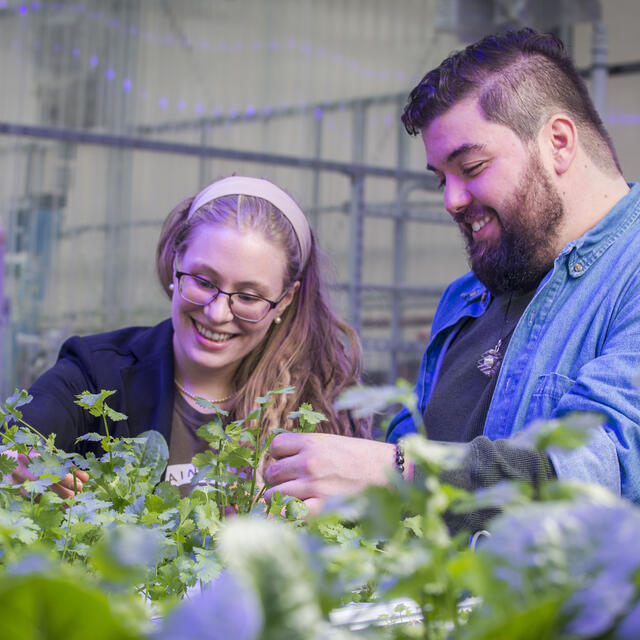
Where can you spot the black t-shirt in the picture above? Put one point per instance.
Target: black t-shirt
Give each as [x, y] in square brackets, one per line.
[458, 406]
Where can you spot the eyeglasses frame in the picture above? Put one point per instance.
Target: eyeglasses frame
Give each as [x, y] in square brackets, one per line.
[272, 303]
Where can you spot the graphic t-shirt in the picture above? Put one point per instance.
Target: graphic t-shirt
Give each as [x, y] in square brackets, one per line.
[184, 443]
[458, 406]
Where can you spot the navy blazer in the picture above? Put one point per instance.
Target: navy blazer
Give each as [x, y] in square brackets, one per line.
[136, 362]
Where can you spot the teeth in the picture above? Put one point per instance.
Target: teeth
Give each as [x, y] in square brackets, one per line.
[210, 335]
[476, 225]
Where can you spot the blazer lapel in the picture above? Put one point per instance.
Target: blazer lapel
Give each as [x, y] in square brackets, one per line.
[148, 383]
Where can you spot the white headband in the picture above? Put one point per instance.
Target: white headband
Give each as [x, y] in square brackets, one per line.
[259, 188]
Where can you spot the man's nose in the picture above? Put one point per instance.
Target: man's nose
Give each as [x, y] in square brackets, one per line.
[456, 196]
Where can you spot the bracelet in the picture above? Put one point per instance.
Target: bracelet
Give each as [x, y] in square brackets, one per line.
[399, 458]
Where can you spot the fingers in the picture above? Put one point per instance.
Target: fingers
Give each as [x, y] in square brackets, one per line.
[315, 505]
[83, 476]
[21, 472]
[62, 491]
[287, 444]
[74, 484]
[286, 469]
[65, 488]
[295, 488]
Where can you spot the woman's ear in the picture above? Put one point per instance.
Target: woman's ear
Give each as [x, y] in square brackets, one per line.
[560, 141]
[288, 298]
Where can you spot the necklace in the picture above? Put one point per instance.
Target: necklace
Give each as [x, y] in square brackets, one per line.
[195, 398]
[490, 361]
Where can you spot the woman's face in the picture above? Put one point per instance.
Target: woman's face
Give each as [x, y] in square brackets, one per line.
[209, 340]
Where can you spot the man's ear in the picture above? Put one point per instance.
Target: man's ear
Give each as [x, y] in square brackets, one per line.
[560, 141]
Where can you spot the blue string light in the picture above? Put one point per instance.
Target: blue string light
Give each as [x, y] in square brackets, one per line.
[290, 44]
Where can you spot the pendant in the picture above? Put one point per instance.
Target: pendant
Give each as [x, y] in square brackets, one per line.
[490, 360]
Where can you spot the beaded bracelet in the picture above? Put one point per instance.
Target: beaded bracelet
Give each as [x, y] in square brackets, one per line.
[399, 458]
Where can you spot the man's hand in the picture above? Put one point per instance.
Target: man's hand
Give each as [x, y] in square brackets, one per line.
[316, 466]
[65, 488]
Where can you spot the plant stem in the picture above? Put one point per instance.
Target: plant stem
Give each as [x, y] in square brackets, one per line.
[66, 535]
[220, 492]
[26, 424]
[259, 496]
[256, 460]
[106, 430]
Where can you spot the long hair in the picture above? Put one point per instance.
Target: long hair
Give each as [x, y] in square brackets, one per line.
[312, 349]
[520, 79]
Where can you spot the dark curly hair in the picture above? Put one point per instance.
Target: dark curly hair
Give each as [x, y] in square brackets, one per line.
[520, 79]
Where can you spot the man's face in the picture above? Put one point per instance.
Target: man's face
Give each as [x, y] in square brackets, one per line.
[499, 193]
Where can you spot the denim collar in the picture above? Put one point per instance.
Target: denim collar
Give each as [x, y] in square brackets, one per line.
[586, 250]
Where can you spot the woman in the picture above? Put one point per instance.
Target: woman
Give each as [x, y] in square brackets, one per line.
[249, 313]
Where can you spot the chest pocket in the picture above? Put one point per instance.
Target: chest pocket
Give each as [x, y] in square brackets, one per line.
[547, 394]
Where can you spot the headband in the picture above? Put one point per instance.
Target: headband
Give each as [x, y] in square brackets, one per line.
[260, 188]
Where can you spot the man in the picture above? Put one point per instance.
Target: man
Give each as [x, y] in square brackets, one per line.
[548, 320]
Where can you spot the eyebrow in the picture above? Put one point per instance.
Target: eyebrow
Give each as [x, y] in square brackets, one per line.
[239, 286]
[458, 151]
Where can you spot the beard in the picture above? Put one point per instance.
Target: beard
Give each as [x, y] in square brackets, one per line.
[527, 247]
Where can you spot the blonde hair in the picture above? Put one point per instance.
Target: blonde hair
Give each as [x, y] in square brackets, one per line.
[312, 349]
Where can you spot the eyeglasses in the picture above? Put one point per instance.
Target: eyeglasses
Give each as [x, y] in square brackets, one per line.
[249, 307]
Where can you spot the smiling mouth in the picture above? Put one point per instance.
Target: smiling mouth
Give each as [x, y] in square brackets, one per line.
[476, 225]
[212, 335]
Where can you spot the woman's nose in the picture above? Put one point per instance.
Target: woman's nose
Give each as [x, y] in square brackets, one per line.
[219, 309]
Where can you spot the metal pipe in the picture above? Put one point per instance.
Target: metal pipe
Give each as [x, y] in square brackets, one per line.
[599, 71]
[3, 313]
[357, 222]
[144, 144]
[399, 256]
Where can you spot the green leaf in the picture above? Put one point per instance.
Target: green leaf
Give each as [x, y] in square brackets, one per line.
[296, 510]
[92, 401]
[414, 524]
[365, 401]
[26, 437]
[113, 415]
[169, 494]
[126, 554]
[153, 453]
[50, 466]
[569, 432]
[207, 404]
[307, 417]
[17, 399]
[92, 436]
[7, 464]
[17, 527]
[284, 390]
[254, 415]
[431, 456]
[212, 431]
[96, 405]
[208, 566]
[207, 517]
[254, 549]
[36, 487]
[84, 611]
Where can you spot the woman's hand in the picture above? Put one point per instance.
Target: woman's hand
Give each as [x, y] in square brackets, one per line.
[316, 466]
[65, 488]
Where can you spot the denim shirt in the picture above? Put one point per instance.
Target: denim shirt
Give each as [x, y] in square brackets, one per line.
[575, 348]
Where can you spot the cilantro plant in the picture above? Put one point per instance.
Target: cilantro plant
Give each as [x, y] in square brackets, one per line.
[125, 488]
[118, 559]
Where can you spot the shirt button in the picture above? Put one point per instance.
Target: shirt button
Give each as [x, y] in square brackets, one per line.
[577, 268]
